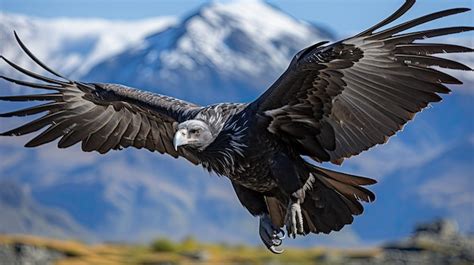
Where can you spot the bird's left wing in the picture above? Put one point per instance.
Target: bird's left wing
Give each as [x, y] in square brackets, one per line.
[338, 100]
[101, 116]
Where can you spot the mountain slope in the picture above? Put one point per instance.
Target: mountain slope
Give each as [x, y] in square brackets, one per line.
[22, 215]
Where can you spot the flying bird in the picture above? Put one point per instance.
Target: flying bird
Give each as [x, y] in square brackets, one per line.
[334, 101]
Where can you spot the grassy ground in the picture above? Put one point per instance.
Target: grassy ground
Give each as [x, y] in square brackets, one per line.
[188, 251]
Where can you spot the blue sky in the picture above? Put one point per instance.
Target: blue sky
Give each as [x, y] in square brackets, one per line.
[337, 14]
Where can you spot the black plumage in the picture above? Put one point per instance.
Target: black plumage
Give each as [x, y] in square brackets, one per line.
[333, 102]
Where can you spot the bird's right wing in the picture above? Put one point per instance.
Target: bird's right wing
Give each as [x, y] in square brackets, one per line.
[101, 116]
[335, 101]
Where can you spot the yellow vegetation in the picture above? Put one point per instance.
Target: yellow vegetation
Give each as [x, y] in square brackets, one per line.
[189, 251]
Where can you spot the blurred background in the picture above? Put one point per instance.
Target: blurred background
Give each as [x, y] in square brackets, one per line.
[207, 52]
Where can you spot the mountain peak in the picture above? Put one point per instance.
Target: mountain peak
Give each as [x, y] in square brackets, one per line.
[254, 16]
[239, 46]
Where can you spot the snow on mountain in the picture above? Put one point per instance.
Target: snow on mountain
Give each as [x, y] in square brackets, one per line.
[72, 46]
[237, 49]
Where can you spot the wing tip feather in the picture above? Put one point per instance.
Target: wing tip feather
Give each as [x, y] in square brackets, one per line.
[31, 144]
[6, 115]
[35, 59]
[5, 133]
[394, 16]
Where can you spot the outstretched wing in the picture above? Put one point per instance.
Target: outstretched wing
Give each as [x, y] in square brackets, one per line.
[336, 101]
[101, 116]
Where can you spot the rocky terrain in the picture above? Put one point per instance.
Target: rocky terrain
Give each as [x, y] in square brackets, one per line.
[433, 243]
[18, 254]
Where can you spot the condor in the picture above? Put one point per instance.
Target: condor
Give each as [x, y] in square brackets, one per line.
[333, 102]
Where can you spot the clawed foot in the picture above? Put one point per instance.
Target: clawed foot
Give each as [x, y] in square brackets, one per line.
[271, 236]
[294, 219]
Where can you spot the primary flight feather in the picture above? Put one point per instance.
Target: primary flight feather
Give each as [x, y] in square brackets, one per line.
[334, 101]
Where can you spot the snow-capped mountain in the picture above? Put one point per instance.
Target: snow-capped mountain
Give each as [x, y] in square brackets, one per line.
[72, 45]
[236, 49]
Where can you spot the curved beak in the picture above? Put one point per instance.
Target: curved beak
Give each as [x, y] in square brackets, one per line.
[180, 138]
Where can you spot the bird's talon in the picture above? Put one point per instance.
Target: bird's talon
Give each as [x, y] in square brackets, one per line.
[276, 250]
[270, 235]
[277, 242]
[283, 235]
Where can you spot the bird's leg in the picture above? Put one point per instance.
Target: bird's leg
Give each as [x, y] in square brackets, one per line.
[288, 174]
[294, 217]
[271, 236]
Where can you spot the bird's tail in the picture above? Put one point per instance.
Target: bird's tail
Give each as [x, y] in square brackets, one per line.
[331, 200]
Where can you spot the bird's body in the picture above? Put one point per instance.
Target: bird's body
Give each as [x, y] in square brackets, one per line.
[231, 153]
[333, 102]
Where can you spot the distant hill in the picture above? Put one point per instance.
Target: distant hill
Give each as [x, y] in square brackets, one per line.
[20, 214]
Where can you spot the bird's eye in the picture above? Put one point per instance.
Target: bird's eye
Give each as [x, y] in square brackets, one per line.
[193, 131]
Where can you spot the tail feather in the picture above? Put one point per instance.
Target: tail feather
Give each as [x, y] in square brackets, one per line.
[332, 217]
[350, 191]
[352, 202]
[345, 178]
[332, 199]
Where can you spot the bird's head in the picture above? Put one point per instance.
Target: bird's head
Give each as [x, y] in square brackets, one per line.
[193, 133]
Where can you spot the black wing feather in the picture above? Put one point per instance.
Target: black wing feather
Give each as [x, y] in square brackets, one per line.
[33, 57]
[429, 48]
[415, 22]
[32, 74]
[397, 14]
[36, 97]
